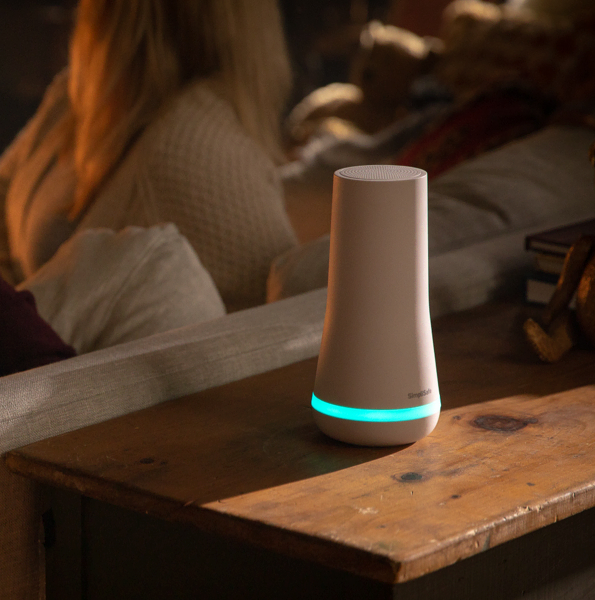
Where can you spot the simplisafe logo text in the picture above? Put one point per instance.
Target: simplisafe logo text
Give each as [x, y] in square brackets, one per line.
[419, 394]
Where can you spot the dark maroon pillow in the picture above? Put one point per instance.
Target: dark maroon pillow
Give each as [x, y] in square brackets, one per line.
[26, 340]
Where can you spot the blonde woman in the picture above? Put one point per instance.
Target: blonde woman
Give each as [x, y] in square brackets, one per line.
[168, 111]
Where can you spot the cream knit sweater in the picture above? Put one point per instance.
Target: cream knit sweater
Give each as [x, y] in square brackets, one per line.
[194, 166]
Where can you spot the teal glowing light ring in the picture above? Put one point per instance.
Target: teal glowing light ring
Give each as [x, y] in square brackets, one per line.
[375, 415]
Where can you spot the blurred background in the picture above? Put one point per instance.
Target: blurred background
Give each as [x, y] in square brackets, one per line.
[322, 36]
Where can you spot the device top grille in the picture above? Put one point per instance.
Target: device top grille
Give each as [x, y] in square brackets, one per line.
[381, 173]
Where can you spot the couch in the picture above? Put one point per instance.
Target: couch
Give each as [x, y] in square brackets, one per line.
[144, 340]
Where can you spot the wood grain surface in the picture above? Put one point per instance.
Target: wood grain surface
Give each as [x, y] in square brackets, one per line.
[512, 453]
[488, 474]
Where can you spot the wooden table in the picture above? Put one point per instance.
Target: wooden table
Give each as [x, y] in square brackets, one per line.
[471, 511]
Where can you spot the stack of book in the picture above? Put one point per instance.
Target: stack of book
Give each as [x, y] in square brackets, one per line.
[549, 249]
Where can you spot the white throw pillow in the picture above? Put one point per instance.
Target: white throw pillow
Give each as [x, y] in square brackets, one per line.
[103, 288]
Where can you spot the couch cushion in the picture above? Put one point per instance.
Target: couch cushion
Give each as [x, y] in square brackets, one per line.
[478, 216]
[542, 179]
[104, 288]
[459, 279]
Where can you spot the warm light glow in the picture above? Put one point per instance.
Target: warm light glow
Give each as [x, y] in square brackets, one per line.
[375, 415]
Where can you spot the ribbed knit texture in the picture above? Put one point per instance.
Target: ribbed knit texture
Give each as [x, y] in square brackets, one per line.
[194, 166]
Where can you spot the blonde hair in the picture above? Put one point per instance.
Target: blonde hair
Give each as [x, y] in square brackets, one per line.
[129, 57]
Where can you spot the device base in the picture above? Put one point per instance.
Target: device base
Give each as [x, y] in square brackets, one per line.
[366, 433]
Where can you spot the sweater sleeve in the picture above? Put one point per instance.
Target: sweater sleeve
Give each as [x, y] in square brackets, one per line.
[217, 185]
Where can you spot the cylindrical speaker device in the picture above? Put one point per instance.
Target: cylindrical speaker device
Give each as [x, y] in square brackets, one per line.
[376, 381]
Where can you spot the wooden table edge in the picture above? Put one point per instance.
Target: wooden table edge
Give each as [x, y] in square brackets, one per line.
[374, 565]
[207, 518]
